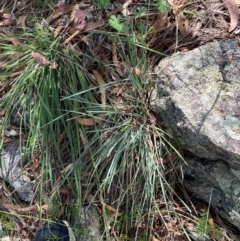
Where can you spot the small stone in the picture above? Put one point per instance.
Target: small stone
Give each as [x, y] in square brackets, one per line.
[12, 159]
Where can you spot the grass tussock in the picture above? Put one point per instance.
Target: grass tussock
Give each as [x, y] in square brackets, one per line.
[88, 119]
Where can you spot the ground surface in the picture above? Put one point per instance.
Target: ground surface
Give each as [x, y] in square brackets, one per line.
[187, 25]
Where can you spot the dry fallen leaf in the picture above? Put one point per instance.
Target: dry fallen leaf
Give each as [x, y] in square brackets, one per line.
[232, 7]
[178, 4]
[153, 238]
[137, 71]
[117, 89]
[9, 19]
[57, 30]
[182, 23]
[63, 10]
[6, 22]
[39, 58]
[115, 60]
[159, 25]
[121, 8]
[53, 65]
[62, 137]
[15, 41]
[83, 139]
[3, 111]
[90, 121]
[67, 168]
[78, 17]
[101, 83]
[60, 11]
[21, 21]
[94, 25]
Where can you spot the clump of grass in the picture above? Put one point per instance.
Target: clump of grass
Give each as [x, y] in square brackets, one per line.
[6, 224]
[101, 3]
[112, 151]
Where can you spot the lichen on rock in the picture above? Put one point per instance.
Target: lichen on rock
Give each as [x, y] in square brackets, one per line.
[197, 96]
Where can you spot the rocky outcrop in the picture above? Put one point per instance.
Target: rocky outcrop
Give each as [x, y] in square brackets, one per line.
[12, 161]
[197, 99]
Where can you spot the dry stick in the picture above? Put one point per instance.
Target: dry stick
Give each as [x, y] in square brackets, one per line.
[72, 36]
[13, 213]
[22, 210]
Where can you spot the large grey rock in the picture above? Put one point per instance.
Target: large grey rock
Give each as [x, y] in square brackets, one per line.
[197, 97]
[12, 160]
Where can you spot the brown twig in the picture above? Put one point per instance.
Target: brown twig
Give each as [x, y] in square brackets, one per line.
[4, 206]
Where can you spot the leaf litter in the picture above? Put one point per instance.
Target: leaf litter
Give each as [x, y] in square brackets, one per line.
[184, 28]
